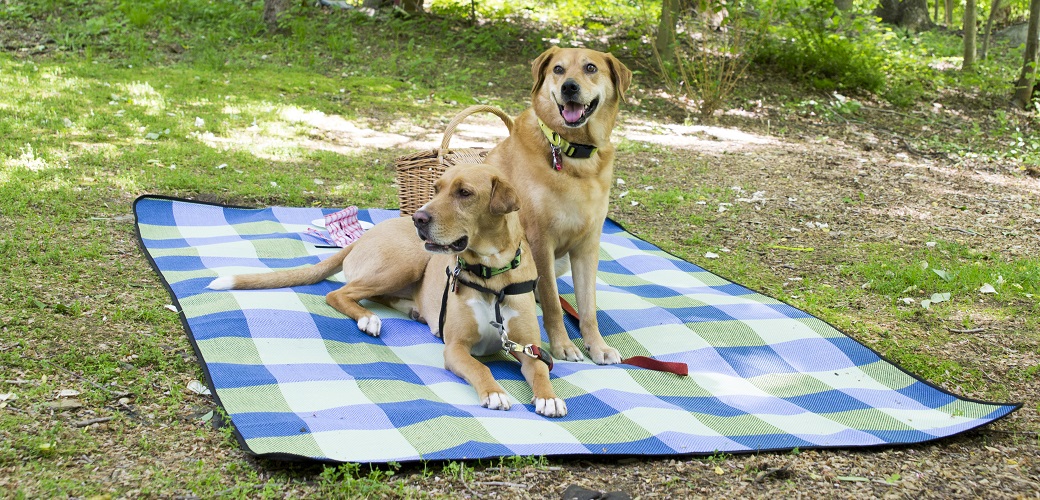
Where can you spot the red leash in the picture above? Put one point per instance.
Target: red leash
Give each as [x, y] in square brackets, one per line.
[680, 369]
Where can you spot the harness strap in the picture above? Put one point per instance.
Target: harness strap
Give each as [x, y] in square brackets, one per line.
[520, 288]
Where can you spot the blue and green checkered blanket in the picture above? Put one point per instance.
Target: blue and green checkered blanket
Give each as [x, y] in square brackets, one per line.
[298, 379]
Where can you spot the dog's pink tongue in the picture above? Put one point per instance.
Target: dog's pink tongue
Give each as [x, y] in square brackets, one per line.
[572, 111]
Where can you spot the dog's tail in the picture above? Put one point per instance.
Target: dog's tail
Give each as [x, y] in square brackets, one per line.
[307, 275]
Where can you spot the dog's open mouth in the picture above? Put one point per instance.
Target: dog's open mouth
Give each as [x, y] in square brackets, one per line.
[453, 247]
[575, 113]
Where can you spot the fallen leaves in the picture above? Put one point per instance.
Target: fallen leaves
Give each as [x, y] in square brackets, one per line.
[935, 299]
[64, 404]
[198, 388]
[7, 397]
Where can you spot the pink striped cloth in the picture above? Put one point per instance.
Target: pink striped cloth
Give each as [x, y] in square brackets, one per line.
[343, 226]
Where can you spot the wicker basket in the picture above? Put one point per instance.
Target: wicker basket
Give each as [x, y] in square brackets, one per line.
[416, 173]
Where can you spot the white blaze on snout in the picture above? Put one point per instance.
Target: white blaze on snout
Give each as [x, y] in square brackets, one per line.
[484, 313]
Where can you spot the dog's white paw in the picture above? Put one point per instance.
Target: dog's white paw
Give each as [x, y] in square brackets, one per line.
[496, 401]
[370, 324]
[222, 283]
[605, 355]
[550, 407]
[567, 351]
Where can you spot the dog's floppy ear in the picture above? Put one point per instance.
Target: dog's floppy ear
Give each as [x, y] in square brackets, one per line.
[620, 75]
[539, 66]
[503, 197]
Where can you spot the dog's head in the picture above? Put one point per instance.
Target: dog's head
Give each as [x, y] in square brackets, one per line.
[469, 203]
[572, 85]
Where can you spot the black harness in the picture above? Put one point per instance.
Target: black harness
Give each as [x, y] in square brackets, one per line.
[520, 288]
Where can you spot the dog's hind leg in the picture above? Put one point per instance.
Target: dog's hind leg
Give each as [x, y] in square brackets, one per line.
[404, 306]
[346, 299]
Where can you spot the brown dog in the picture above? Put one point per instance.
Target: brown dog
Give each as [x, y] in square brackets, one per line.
[566, 182]
[472, 226]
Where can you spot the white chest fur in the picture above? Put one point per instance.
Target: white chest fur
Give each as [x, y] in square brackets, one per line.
[484, 313]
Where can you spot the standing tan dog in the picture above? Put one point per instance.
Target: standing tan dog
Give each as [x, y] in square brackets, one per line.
[471, 225]
[559, 151]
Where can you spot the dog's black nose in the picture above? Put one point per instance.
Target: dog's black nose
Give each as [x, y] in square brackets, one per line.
[421, 219]
[570, 88]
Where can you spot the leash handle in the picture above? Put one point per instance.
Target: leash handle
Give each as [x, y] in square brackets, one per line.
[450, 129]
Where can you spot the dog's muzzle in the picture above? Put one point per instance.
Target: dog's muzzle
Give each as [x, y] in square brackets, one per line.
[574, 112]
[423, 220]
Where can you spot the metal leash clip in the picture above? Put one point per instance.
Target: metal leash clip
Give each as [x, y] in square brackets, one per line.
[455, 279]
[556, 157]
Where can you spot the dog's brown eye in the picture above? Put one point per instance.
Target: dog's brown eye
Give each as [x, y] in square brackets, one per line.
[465, 193]
[558, 69]
[590, 68]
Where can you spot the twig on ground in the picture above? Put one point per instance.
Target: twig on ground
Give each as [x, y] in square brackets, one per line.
[969, 330]
[917, 152]
[1011, 433]
[500, 483]
[84, 423]
[771, 472]
[84, 379]
[965, 231]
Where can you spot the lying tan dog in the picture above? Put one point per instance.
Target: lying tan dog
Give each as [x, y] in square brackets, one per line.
[560, 152]
[472, 226]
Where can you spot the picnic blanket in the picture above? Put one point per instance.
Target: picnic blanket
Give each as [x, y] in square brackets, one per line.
[299, 380]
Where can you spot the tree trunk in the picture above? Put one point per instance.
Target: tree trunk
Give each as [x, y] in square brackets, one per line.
[993, 7]
[665, 42]
[969, 35]
[948, 16]
[1024, 86]
[909, 14]
[843, 5]
[915, 15]
[411, 6]
[273, 12]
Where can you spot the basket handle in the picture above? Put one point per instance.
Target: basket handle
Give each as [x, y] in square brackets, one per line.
[450, 129]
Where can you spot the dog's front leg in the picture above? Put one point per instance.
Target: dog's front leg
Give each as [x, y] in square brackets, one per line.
[584, 264]
[552, 312]
[543, 397]
[458, 360]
